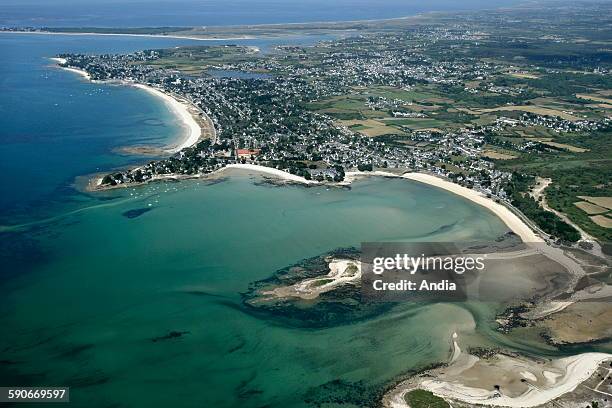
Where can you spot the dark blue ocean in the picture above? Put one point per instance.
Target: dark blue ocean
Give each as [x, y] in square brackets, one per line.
[139, 13]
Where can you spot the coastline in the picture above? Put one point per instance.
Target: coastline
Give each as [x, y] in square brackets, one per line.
[458, 381]
[496, 359]
[60, 61]
[511, 220]
[176, 37]
[194, 133]
[514, 223]
[184, 111]
[269, 171]
[192, 130]
[576, 369]
[292, 25]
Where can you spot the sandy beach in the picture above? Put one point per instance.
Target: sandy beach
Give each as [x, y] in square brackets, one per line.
[271, 171]
[341, 272]
[74, 70]
[508, 217]
[193, 133]
[192, 130]
[560, 377]
[522, 382]
[183, 110]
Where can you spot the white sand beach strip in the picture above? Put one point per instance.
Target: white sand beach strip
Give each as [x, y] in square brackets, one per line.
[192, 132]
[176, 36]
[522, 382]
[73, 70]
[271, 171]
[508, 217]
[58, 60]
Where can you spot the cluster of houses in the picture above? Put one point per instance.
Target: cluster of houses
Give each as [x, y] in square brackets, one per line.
[266, 121]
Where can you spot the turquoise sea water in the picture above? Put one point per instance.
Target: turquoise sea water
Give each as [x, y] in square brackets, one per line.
[54, 125]
[84, 311]
[85, 288]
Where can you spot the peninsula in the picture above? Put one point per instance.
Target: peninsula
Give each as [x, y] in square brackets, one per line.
[510, 109]
[395, 98]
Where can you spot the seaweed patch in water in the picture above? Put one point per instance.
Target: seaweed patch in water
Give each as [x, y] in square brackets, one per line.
[216, 180]
[172, 335]
[137, 212]
[74, 351]
[342, 392]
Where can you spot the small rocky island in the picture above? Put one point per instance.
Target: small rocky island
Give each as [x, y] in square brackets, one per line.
[316, 292]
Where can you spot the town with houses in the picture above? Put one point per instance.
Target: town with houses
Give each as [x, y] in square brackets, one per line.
[261, 121]
[357, 103]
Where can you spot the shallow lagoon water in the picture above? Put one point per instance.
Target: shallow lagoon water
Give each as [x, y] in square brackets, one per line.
[85, 311]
